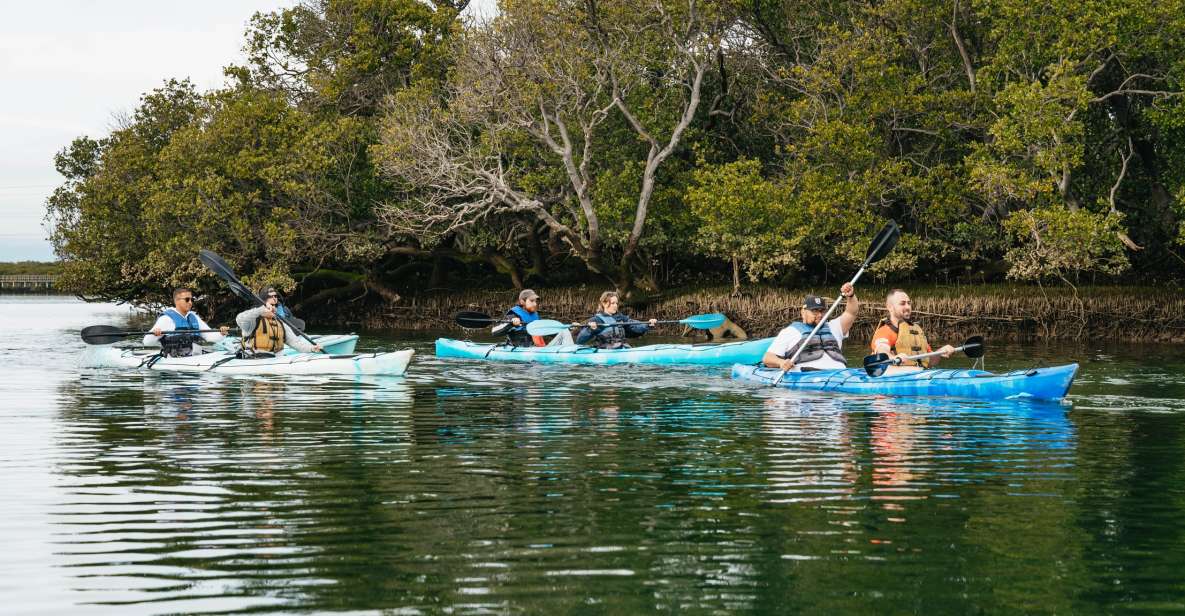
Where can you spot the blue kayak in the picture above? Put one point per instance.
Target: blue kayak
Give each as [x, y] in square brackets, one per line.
[1041, 383]
[749, 351]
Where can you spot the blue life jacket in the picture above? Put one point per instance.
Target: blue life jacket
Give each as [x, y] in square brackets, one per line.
[823, 342]
[282, 311]
[179, 343]
[518, 336]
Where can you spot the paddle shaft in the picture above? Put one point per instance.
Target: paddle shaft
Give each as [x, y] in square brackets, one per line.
[901, 358]
[184, 331]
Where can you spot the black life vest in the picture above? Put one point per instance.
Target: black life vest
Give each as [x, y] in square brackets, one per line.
[609, 335]
[822, 343]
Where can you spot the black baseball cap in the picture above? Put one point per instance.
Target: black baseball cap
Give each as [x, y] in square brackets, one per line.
[814, 302]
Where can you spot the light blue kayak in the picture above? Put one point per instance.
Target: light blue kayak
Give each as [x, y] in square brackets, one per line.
[749, 351]
[332, 344]
[1041, 383]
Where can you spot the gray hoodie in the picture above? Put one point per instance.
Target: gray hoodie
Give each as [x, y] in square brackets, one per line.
[247, 319]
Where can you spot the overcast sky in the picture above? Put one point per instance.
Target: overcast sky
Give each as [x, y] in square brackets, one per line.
[69, 66]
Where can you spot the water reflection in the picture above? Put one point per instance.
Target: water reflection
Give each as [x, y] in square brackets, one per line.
[469, 487]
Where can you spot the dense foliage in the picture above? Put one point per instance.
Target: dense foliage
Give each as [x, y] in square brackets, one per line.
[379, 146]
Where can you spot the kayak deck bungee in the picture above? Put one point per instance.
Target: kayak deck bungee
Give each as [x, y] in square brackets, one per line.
[392, 364]
[705, 354]
[1050, 383]
[332, 344]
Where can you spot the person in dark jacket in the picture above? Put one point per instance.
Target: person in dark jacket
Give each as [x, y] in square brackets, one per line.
[519, 315]
[605, 330]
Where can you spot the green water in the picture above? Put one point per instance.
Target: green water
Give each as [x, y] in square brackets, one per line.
[468, 487]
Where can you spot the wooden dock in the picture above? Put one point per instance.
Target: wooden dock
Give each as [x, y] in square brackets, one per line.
[26, 283]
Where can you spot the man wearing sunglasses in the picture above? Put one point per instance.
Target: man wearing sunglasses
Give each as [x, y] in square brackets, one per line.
[264, 333]
[176, 330]
[823, 350]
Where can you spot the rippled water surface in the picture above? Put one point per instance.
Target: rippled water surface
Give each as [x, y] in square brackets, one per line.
[468, 487]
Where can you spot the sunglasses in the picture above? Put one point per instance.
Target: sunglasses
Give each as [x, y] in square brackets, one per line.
[275, 295]
[185, 299]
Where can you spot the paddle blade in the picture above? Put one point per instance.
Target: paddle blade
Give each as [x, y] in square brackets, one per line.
[974, 347]
[103, 334]
[473, 320]
[883, 243]
[875, 365]
[704, 321]
[546, 327]
[297, 321]
[223, 271]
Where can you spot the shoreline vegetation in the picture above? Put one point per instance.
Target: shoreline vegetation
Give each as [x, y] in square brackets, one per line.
[949, 312]
[364, 151]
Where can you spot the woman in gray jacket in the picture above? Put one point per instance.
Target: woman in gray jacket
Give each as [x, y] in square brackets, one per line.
[264, 333]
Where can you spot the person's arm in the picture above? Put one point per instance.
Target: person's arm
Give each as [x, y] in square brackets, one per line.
[881, 343]
[785, 340]
[247, 318]
[635, 330]
[947, 351]
[297, 342]
[851, 307]
[585, 334]
[163, 324]
[209, 336]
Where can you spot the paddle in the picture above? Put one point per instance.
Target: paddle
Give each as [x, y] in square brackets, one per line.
[546, 327]
[106, 334]
[220, 267]
[881, 245]
[476, 320]
[875, 365]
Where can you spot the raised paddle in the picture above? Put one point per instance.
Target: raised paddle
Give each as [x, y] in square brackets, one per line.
[545, 327]
[875, 365]
[107, 334]
[881, 245]
[220, 267]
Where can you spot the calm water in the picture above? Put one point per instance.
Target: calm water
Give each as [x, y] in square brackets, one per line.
[467, 487]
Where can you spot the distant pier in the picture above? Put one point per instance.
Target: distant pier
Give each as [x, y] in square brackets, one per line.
[27, 283]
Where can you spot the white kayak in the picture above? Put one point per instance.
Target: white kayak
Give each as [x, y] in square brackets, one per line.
[393, 363]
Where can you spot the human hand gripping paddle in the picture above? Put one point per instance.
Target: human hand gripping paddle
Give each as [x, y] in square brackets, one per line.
[881, 245]
[875, 365]
[546, 327]
[219, 267]
[107, 334]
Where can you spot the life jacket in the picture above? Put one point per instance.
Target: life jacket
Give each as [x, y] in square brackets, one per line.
[179, 343]
[911, 340]
[267, 337]
[822, 343]
[609, 335]
[518, 336]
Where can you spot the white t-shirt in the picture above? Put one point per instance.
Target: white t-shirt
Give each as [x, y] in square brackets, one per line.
[789, 337]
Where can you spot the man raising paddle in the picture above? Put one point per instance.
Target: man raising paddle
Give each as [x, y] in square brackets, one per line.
[899, 335]
[823, 350]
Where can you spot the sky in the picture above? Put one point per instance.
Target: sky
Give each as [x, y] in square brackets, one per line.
[69, 67]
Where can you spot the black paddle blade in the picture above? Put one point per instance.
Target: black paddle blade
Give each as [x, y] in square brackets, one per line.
[103, 334]
[875, 365]
[220, 267]
[473, 320]
[973, 347]
[883, 243]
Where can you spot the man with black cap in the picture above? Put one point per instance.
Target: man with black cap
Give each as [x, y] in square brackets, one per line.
[264, 333]
[519, 316]
[824, 350]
